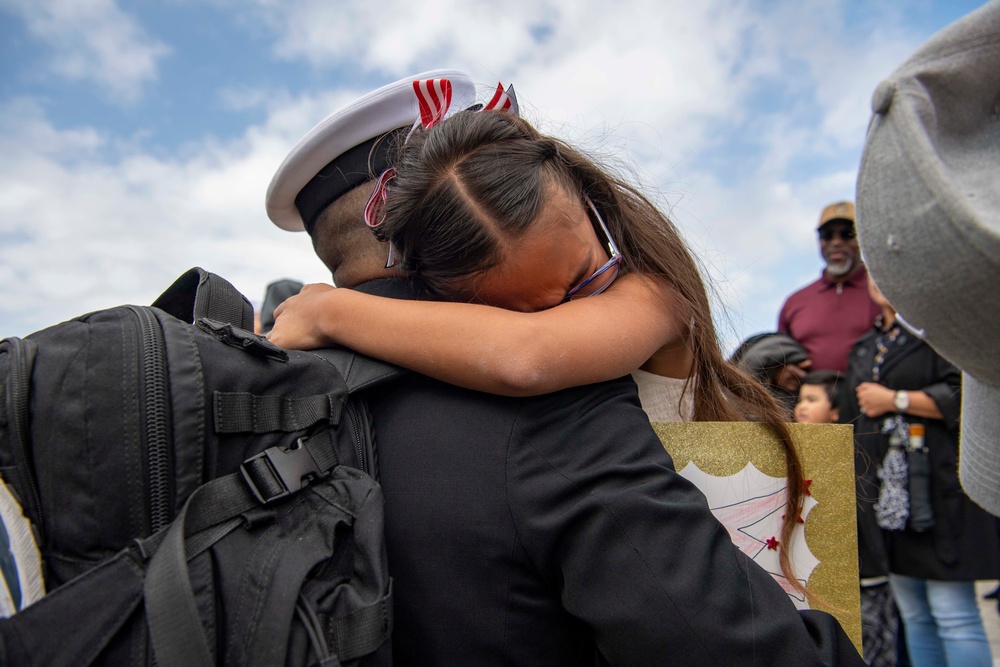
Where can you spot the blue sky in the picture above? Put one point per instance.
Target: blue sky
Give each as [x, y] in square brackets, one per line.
[137, 139]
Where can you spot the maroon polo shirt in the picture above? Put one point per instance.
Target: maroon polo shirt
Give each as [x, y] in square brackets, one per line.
[828, 317]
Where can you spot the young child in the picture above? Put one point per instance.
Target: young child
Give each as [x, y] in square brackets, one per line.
[819, 395]
[550, 271]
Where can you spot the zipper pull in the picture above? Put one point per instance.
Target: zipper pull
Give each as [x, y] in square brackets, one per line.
[840, 288]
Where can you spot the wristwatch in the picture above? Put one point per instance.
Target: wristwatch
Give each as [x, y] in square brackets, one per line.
[901, 401]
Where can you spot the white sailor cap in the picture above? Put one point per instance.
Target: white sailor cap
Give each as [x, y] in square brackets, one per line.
[347, 148]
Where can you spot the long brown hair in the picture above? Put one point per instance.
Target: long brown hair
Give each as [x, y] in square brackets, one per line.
[472, 184]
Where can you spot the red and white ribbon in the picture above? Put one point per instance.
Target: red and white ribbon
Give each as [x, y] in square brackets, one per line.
[434, 98]
[503, 100]
[373, 209]
[434, 101]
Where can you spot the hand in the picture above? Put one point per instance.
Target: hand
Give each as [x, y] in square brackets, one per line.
[298, 320]
[790, 375]
[875, 399]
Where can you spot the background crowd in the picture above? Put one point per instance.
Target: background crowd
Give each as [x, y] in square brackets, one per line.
[841, 355]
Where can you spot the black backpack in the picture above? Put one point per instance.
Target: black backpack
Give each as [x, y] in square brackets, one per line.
[197, 493]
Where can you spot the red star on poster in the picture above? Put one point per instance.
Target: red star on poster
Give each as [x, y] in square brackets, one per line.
[750, 505]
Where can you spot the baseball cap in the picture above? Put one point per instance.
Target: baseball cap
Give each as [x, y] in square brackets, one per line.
[350, 147]
[842, 210]
[929, 218]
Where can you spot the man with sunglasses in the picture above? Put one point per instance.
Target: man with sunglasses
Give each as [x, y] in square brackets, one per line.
[828, 315]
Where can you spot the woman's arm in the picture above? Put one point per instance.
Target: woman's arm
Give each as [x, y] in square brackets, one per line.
[876, 400]
[492, 349]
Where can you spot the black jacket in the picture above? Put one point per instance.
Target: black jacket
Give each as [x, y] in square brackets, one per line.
[963, 544]
[555, 531]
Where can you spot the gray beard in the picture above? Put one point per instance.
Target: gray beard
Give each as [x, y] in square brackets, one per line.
[841, 269]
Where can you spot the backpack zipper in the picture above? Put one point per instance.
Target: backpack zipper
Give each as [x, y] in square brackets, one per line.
[364, 435]
[154, 400]
[359, 444]
[20, 375]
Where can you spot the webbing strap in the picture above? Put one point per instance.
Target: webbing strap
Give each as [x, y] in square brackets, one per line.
[198, 293]
[361, 632]
[171, 611]
[175, 628]
[242, 412]
[218, 299]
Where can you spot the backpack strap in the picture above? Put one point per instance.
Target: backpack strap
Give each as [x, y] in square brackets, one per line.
[243, 412]
[360, 372]
[199, 293]
[174, 624]
[214, 510]
[96, 605]
[172, 616]
[361, 632]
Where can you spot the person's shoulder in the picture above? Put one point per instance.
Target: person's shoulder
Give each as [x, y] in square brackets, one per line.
[594, 409]
[580, 431]
[861, 347]
[593, 396]
[801, 297]
[561, 409]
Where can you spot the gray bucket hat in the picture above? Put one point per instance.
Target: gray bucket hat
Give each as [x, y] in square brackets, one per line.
[928, 204]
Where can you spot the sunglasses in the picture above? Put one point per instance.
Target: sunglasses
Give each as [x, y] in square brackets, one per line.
[601, 279]
[844, 234]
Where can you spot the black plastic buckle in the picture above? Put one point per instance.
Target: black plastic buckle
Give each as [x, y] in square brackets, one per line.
[289, 467]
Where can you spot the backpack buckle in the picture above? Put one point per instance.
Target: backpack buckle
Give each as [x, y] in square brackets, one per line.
[278, 472]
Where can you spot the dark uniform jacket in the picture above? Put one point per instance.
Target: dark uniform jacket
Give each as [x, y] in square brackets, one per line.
[962, 546]
[555, 531]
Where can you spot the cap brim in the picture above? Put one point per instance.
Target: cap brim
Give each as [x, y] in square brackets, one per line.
[824, 224]
[979, 449]
[383, 110]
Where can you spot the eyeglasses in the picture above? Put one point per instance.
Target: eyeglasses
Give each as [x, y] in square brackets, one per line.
[601, 279]
[844, 234]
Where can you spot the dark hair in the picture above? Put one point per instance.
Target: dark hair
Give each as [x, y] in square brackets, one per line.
[467, 188]
[829, 380]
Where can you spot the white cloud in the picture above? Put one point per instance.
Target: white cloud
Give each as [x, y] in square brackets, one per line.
[656, 85]
[393, 35]
[83, 232]
[583, 64]
[93, 40]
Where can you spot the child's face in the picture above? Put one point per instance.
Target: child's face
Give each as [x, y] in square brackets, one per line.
[814, 406]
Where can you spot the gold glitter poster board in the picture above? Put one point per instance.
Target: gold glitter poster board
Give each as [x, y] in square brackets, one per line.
[724, 460]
